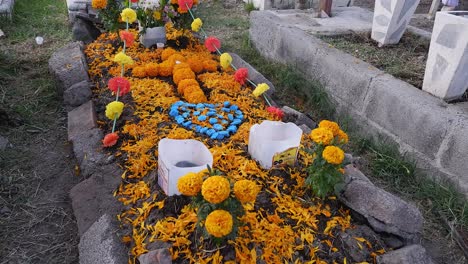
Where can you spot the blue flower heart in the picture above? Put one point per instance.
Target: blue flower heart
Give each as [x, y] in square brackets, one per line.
[217, 121]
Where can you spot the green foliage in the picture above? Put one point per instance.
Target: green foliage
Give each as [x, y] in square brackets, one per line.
[111, 14]
[249, 7]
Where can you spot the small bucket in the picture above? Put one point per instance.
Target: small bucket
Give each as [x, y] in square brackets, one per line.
[179, 157]
[274, 143]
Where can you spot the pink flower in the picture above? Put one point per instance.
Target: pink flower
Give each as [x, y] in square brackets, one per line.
[128, 37]
[110, 140]
[241, 75]
[212, 43]
[134, 1]
[184, 3]
[119, 84]
[276, 112]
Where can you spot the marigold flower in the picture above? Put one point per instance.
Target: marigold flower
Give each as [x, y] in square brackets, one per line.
[114, 109]
[157, 15]
[260, 89]
[321, 136]
[330, 125]
[210, 65]
[139, 71]
[182, 74]
[241, 75]
[216, 189]
[276, 112]
[127, 37]
[246, 191]
[219, 223]
[191, 89]
[120, 84]
[179, 66]
[167, 52]
[99, 4]
[176, 57]
[190, 184]
[212, 44]
[110, 140]
[196, 24]
[121, 58]
[333, 155]
[151, 69]
[342, 137]
[128, 15]
[195, 65]
[174, 2]
[186, 83]
[184, 5]
[165, 68]
[196, 97]
[225, 60]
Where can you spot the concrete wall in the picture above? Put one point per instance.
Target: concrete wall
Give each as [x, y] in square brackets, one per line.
[292, 4]
[431, 131]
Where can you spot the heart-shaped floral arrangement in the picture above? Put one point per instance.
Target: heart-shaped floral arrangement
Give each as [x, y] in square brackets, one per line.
[217, 121]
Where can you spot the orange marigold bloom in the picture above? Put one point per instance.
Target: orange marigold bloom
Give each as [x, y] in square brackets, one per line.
[167, 52]
[127, 37]
[181, 65]
[190, 184]
[216, 189]
[191, 89]
[165, 68]
[342, 137]
[196, 97]
[176, 57]
[139, 71]
[246, 191]
[210, 65]
[99, 4]
[219, 223]
[321, 136]
[186, 83]
[110, 140]
[333, 155]
[152, 69]
[330, 125]
[182, 74]
[195, 65]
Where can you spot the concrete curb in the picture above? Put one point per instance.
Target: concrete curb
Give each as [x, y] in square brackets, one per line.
[427, 128]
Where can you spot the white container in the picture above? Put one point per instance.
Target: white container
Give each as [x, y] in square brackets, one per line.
[152, 36]
[447, 62]
[179, 157]
[274, 143]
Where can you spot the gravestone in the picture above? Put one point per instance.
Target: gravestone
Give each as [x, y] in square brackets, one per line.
[6, 8]
[447, 62]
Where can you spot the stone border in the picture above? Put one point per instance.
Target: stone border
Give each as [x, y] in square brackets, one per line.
[430, 130]
[95, 206]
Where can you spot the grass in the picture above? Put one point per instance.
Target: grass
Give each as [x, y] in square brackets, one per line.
[249, 7]
[36, 222]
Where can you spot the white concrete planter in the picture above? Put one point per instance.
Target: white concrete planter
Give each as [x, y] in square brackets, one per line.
[391, 17]
[447, 63]
[153, 36]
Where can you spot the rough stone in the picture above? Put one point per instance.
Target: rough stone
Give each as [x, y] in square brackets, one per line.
[6, 8]
[94, 197]
[384, 211]
[254, 75]
[87, 147]
[77, 94]
[413, 254]
[81, 119]
[453, 157]
[406, 112]
[300, 118]
[305, 129]
[100, 244]
[392, 241]
[4, 143]
[68, 66]
[358, 251]
[84, 31]
[158, 256]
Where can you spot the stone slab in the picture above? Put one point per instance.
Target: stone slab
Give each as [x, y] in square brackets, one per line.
[77, 95]
[6, 8]
[4, 143]
[413, 254]
[158, 256]
[101, 243]
[453, 155]
[87, 147]
[81, 119]
[84, 30]
[68, 66]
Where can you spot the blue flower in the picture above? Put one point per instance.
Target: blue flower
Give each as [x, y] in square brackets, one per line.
[230, 117]
[196, 113]
[218, 127]
[236, 122]
[234, 107]
[213, 121]
[226, 104]
[227, 110]
[201, 118]
[214, 135]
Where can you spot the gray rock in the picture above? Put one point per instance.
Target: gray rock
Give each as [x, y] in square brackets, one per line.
[392, 241]
[68, 66]
[88, 151]
[305, 129]
[94, 197]
[384, 211]
[359, 251]
[413, 254]
[4, 143]
[300, 118]
[81, 119]
[158, 256]
[84, 31]
[100, 244]
[6, 8]
[77, 94]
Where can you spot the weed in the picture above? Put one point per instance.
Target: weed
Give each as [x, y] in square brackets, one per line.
[249, 7]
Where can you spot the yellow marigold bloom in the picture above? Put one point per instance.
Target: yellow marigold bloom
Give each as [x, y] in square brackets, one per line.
[321, 136]
[157, 15]
[197, 24]
[330, 125]
[342, 137]
[225, 60]
[128, 15]
[333, 155]
[121, 58]
[261, 88]
[99, 4]
[216, 189]
[114, 109]
[246, 191]
[219, 223]
[190, 184]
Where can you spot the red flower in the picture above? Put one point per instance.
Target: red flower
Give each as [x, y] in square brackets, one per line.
[184, 3]
[119, 84]
[110, 140]
[134, 1]
[128, 37]
[212, 43]
[276, 112]
[241, 75]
